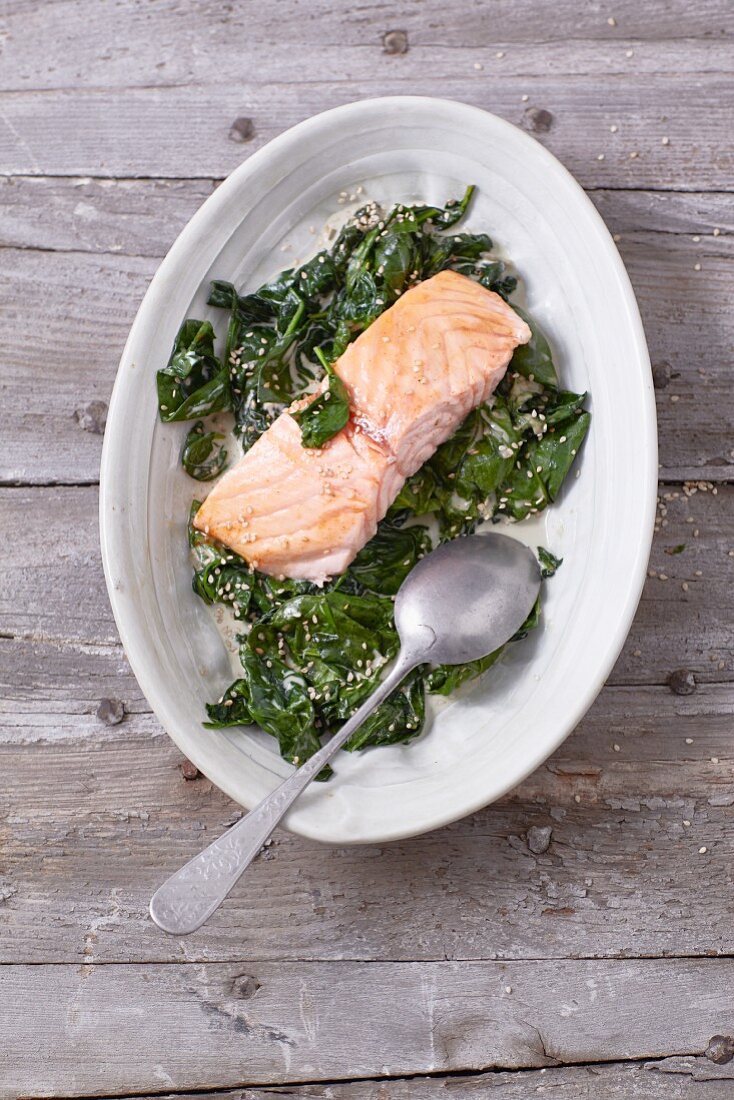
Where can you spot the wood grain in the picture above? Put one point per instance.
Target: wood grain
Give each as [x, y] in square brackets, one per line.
[61, 597]
[165, 43]
[87, 296]
[97, 816]
[258, 1022]
[676, 1078]
[143, 217]
[147, 131]
[376, 973]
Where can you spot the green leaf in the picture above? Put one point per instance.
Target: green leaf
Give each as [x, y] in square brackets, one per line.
[194, 383]
[548, 562]
[399, 719]
[553, 454]
[203, 456]
[326, 415]
[276, 698]
[220, 575]
[534, 360]
[383, 564]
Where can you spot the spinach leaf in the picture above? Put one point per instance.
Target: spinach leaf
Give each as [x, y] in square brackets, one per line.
[534, 360]
[548, 562]
[276, 698]
[399, 719]
[383, 564]
[220, 575]
[314, 654]
[203, 456]
[194, 383]
[326, 415]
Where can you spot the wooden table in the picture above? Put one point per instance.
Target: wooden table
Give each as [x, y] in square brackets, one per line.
[574, 939]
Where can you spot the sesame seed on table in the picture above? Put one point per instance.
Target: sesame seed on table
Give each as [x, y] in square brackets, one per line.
[578, 929]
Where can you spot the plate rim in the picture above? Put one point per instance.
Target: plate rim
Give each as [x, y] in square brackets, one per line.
[128, 621]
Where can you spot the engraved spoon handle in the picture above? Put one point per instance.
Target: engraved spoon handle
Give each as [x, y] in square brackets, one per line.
[189, 897]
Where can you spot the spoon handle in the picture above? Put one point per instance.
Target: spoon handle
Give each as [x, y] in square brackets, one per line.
[192, 894]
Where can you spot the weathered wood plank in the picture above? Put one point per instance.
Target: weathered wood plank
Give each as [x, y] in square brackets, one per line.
[163, 57]
[96, 816]
[260, 1022]
[686, 1078]
[135, 217]
[142, 217]
[147, 131]
[62, 596]
[88, 300]
[165, 43]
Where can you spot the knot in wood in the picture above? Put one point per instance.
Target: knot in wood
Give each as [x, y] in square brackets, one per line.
[661, 375]
[110, 711]
[245, 986]
[92, 417]
[537, 120]
[682, 682]
[189, 771]
[720, 1049]
[395, 42]
[241, 130]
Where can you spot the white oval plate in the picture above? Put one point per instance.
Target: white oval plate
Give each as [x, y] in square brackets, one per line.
[496, 731]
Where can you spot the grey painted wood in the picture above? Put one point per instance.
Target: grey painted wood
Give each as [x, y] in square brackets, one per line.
[375, 962]
[88, 298]
[676, 1078]
[165, 43]
[142, 217]
[61, 597]
[254, 1022]
[100, 814]
[147, 131]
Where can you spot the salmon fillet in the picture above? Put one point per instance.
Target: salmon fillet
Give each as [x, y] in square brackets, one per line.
[424, 364]
[413, 376]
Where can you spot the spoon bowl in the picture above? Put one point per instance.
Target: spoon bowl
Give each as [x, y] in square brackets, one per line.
[461, 602]
[471, 595]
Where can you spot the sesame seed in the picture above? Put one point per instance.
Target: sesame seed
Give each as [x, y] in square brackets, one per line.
[686, 822]
[702, 850]
[613, 129]
[717, 232]
[696, 267]
[500, 54]
[665, 141]
[634, 154]
[675, 398]
[714, 760]
[616, 748]
[629, 53]
[478, 66]
[612, 21]
[600, 156]
[524, 98]
[508, 989]
[577, 798]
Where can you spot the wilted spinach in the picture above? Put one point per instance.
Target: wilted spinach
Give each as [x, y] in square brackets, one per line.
[326, 415]
[203, 457]
[309, 655]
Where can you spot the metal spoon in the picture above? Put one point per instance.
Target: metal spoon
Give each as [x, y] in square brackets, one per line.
[461, 602]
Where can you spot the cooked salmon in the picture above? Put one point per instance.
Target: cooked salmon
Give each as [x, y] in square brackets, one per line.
[302, 513]
[412, 376]
[424, 364]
